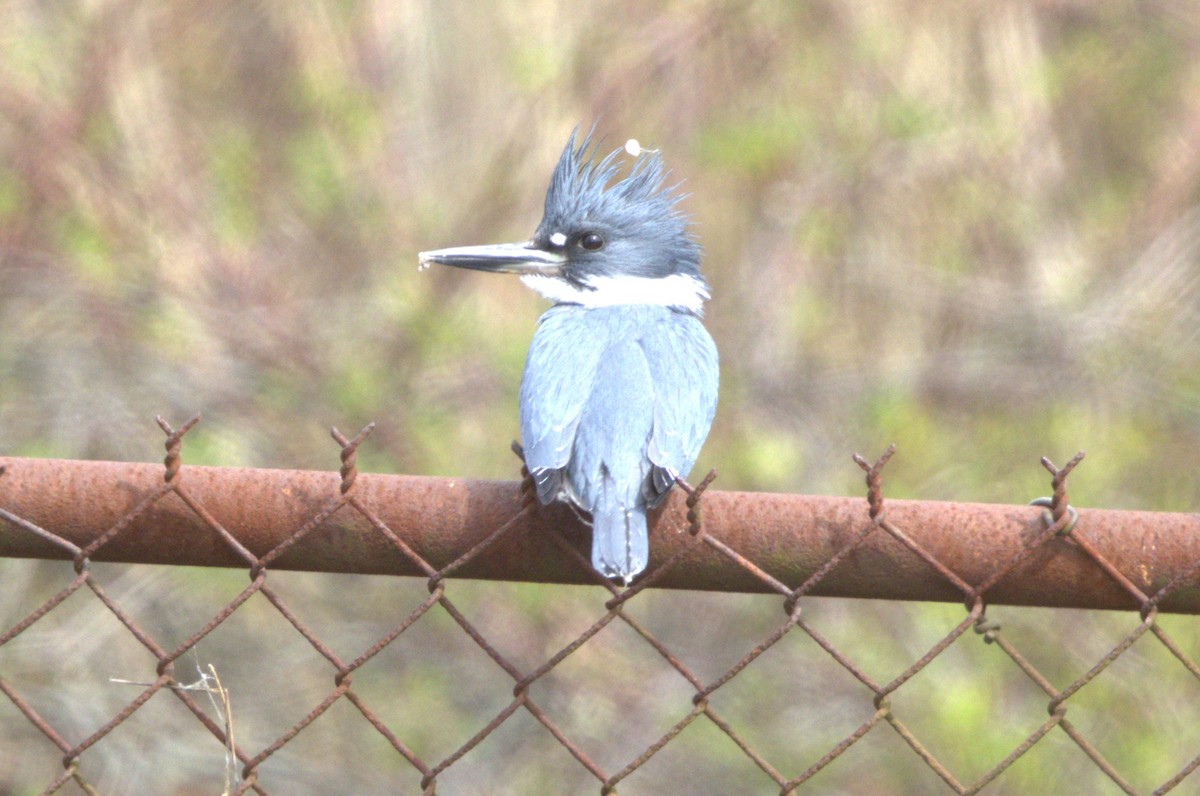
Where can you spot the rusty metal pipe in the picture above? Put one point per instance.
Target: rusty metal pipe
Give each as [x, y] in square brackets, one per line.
[788, 536]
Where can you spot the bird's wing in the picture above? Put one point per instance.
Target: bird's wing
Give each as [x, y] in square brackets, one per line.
[683, 364]
[560, 370]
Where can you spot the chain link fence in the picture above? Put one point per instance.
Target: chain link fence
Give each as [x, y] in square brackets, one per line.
[532, 690]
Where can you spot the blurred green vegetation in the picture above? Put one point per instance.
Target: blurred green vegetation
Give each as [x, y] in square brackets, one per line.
[970, 229]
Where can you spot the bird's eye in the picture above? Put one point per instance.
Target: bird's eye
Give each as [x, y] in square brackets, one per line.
[591, 241]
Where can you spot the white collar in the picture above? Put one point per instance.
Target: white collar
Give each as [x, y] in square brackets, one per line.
[676, 290]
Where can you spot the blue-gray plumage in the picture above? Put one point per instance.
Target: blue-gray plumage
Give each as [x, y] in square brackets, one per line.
[620, 383]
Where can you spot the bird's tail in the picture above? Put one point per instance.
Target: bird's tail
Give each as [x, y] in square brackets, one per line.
[620, 548]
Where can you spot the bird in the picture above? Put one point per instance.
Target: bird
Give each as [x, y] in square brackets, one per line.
[621, 378]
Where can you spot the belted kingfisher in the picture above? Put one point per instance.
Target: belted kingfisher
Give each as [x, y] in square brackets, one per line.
[620, 383]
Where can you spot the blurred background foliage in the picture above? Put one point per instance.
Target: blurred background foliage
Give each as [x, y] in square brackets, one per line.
[971, 229]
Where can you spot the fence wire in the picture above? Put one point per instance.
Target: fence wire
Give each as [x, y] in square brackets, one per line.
[244, 769]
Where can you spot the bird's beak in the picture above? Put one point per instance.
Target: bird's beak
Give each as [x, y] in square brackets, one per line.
[505, 258]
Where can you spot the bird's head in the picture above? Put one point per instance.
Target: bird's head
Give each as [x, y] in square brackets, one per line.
[601, 242]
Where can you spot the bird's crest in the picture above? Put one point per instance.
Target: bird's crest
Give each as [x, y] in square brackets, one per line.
[580, 188]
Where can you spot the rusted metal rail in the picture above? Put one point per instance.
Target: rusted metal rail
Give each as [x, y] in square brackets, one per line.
[788, 536]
